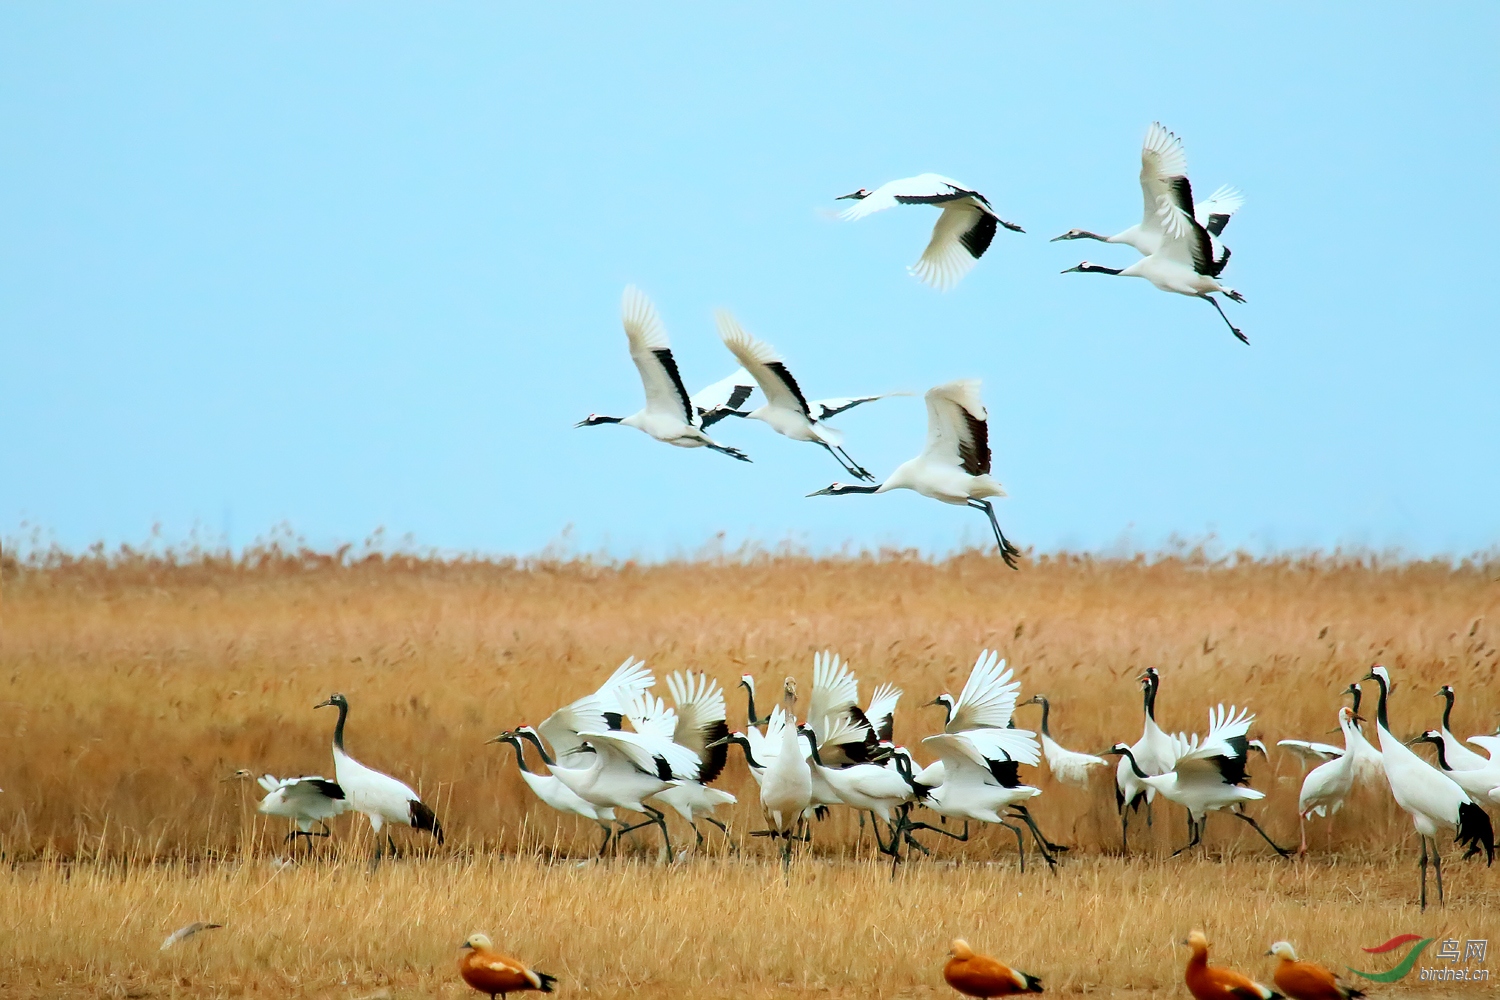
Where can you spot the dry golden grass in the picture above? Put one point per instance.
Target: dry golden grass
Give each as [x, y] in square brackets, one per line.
[133, 686]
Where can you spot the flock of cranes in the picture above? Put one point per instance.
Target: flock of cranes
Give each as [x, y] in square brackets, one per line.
[1178, 240]
[624, 749]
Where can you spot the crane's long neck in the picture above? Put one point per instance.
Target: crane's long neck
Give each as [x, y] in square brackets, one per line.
[1357, 693]
[520, 756]
[1128, 755]
[1447, 709]
[536, 742]
[1442, 750]
[1150, 698]
[1380, 714]
[338, 729]
[750, 706]
[812, 741]
[947, 703]
[744, 745]
[847, 488]
[1046, 710]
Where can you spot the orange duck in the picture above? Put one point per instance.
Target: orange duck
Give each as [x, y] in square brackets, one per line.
[981, 976]
[1306, 980]
[1207, 982]
[491, 973]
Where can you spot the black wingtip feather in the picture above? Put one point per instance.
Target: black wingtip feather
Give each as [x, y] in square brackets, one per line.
[423, 818]
[979, 236]
[329, 789]
[714, 758]
[1475, 831]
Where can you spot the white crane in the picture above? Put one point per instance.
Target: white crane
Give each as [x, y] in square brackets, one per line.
[1460, 757]
[554, 793]
[1185, 263]
[306, 801]
[1070, 767]
[1210, 775]
[670, 414]
[626, 768]
[963, 231]
[844, 734]
[748, 683]
[1154, 753]
[878, 789]
[380, 797]
[1368, 766]
[1431, 798]
[1482, 783]
[977, 779]
[987, 701]
[787, 411]
[1327, 785]
[786, 784]
[1164, 169]
[604, 709]
[699, 726]
[954, 467]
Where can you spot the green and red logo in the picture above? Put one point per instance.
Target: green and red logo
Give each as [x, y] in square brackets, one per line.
[1401, 968]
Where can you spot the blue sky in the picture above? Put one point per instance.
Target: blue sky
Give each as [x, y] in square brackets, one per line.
[346, 266]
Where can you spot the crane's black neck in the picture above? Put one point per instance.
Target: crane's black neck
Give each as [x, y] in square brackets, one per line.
[1447, 694]
[744, 744]
[338, 730]
[1380, 713]
[1097, 269]
[846, 488]
[812, 741]
[520, 757]
[546, 757]
[947, 702]
[750, 710]
[1442, 754]
[903, 768]
[1354, 689]
[1150, 696]
[1046, 710]
[1128, 755]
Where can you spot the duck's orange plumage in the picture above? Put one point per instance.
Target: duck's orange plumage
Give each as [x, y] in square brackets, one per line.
[1214, 982]
[981, 976]
[491, 973]
[1306, 980]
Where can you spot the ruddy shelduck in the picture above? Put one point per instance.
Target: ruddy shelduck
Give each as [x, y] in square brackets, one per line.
[1207, 982]
[1306, 980]
[981, 976]
[495, 975]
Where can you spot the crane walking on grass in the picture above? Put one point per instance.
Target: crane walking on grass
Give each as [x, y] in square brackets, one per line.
[954, 467]
[1432, 799]
[306, 801]
[379, 796]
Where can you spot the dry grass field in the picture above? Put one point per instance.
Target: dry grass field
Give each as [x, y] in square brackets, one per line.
[133, 686]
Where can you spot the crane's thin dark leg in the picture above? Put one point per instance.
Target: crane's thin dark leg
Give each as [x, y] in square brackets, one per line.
[1197, 837]
[1274, 846]
[608, 833]
[731, 452]
[1008, 552]
[947, 833]
[1020, 845]
[855, 467]
[1232, 328]
[661, 820]
[1124, 827]
[1047, 845]
[1437, 867]
[1423, 864]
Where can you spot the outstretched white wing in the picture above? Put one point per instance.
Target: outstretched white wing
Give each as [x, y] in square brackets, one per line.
[835, 690]
[989, 697]
[822, 409]
[652, 354]
[649, 752]
[1312, 753]
[1213, 214]
[882, 711]
[1163, 162]
[960, 237]
[958, 427]
[761, 361]
[714, 402]
[1019, 745]
[604, 709]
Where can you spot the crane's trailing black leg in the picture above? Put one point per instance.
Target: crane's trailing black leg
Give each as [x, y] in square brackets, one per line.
[698, 845]
[1025, 814]
[1423, 864]
[1274, 846]
[1232, 328]
[1020, 845]
[855, 468]
[1197, 837]
[1437, 867]
[661, 820]
[1008, 552]
[604, 844]
[731, 452]
[947, 833]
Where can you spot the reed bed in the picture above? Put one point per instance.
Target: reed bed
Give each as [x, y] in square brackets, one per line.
[133, 685]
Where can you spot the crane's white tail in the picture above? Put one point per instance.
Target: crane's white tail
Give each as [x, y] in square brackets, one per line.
[423, 818]
[1475, 831]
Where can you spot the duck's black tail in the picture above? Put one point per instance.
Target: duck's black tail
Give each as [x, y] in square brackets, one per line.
[547, 981]
[1475, 832]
